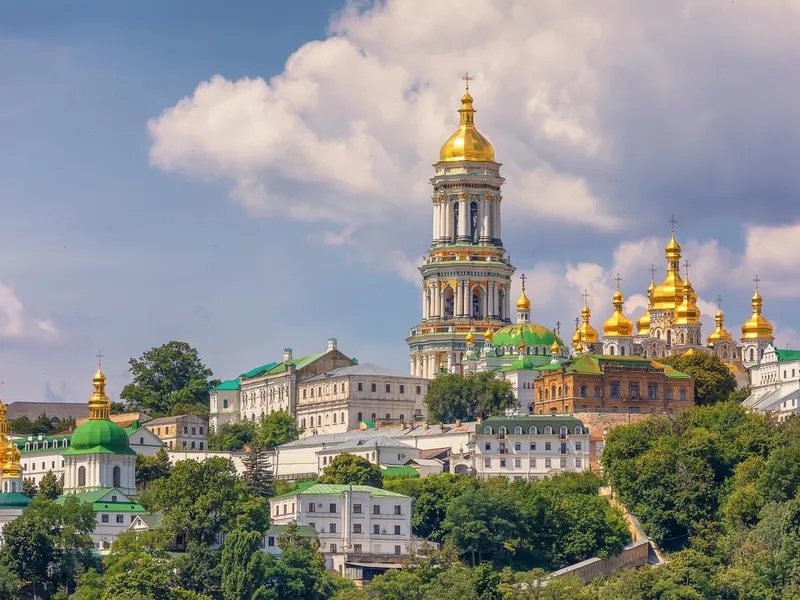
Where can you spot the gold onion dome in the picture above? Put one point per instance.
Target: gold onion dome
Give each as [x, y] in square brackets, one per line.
[687, 312]
[719, 333]
[467, 143]
[99, 403]
[11, 468]
[523, 303]
[643, 324]
[576, 338]
[669, 293]
[757, 327]
[470, 339]
[554, 348]
[488, 334]
[588, 333]
[618, 325]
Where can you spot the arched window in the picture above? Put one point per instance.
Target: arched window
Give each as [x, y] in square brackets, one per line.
[319, 420]
[691, 338]
[360, 417]
[477, 303]
[402, 418]
[611, 350]
[302, 423]
[518, 430]
[487, 430]
[455, 221]
[669, 337]
[683, 394]
[473, 222]
[597, 391]
[374, 417]
[501, 431]
[752, 354]
[116, 476]
[681, 339]
[540, 394]
[622, 350]
[578, 430]
[562, 430]
[559, 392]
[81, 476]
[583, 391]
[566, 390]
[44, 445]
[553, 392]
[533, 430]
[548, 430]
[501, 311]
[343, 419]
[546, 396]
[536, 350]
[225, 403]
[388, 416]
[334, 418]
[449, 302]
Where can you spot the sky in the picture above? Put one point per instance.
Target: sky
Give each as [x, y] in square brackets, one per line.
[252, 175]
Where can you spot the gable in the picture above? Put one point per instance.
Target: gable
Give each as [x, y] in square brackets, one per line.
[150, 439]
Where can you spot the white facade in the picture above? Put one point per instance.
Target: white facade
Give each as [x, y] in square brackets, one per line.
[383, 451]
[350, 520]
[528, 447]
[93, 471]
[775, 383]
[113, 515]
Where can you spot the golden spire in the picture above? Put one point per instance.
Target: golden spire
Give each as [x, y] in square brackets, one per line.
[618, 325]
[11, 458]
[470, 339]
[3, 432]
[757, 327]
[687, 312]
[467, 143]
[523, 303]
[669, 294]
[587, 332]
[719, 333]
[99, 403]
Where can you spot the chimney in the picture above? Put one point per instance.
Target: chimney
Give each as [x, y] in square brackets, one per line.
[331, 344]
[458, 422]
[287, 354]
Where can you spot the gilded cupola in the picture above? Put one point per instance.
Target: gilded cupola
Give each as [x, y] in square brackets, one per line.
[467, 143]
[643, 324]
[618, 325]
[488, 335]
[757, 327]
[3, 432]
[11, 468]
[470, 339]
[588, 333]
[687, 312]
[668, 295]
[99, 403]
[719, 333]
[554, 348]
[523, 302]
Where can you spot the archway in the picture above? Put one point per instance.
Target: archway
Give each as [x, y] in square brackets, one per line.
[116, 476]
[81, 476]
[448, 303]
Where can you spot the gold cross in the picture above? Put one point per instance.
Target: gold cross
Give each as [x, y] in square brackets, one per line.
[618, 279]
[757, 280]
[585, 298]
[467, 79]
[673, 221]
[523, 277]
[99, 359]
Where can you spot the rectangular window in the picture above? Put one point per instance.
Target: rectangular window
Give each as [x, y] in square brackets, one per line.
[104, 518]
[669, 393]
[356, 527]
[332, 528]
[357, 548]
[376, 509]
[398, 509]
[533, 446]
[487, 462]
[533, 463]
[312, 507]
[360, 387]
[388, 388]
[517, 462]
[120, 518]
[578, 463]
[402, 389]
[652, 390]
[357, 509]
[333, 548]
[185, 429]
[397, 529]
[397, 549]
[313, 526]
[201, 445]
[284, 509]
[194, 431]
[547, 446]
[271, 541]
[304, 393]
[192, 445]
[547, 463]
[633, 389]
[563, 463]
[133, 518]
[578, 446]
[419, 390]
[502, 463]
[615, 389]
[487, 446]
[376, 529]
[332, 508]
[563, 449]
[374, 387]
[517, 446]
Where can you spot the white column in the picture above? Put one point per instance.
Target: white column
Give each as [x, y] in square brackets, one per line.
[435, 221]
[413, 366]
[508, 303]
[424, 302]
[435, 299]
[448, 220]
[498, 222]
[481, 208]
[441, 224]
[487, 219]
[467, 299]
[463, 218]
[459, 298]
[450, 361]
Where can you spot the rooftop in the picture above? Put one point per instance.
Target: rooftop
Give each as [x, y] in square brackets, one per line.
[380, 441]
[330, 489]
[365, 370]
[787, 355]
[527, 421]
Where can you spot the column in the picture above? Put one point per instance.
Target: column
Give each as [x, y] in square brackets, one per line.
[442, 221]
[481, 209]
[498, 222]
[463, 220]
[435, 222]
[436, 299]
[413, 366]
[467, 299]
[448, 221]
[458, 299]
[450, 361]
[424, 302]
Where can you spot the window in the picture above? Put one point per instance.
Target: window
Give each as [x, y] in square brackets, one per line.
[597, 391]
[562, 431]
[225, 403]
[333, 548]
[397, 549]
[356, 527]
[357, 509]
[271, 541]
[192, 445]
[312, 507]
[683, 394]
[185, 429]
[548, 430]
[332, 528]
[397, 529]
[374, 417]
[419, 389]
[501, 432]
[376, 529]
[578, 463]
[487, 430]
[201, 445]
[652, 390]
[578, 430]
[533, 446]
[388, 388]
[376, 509]
[633, 389]
[284, 509]
[402, 389]
[547, 446]
[402, 417]
[194, 431]
[334, 388]
[304, 393]
[614, 385]
[487, 462]
[360, 387]
[533, 430]
[374, 387]
[357, 548]
[120, 518]
[116, 476]
[332, 507]
[398, 509]
[517, 462]
[81, 476]
[518, 430]
[502, 463]
[578, 447]
[334, 418]
[517, 446]
[669, 393]
[563, 463]
[104, 518]
[533, 463]
[547, 463]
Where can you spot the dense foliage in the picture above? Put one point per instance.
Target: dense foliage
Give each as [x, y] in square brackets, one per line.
[351, 469]
[713, 381]
[273, 430]
[169, 379]
[151, 468]
[42, 424]
[452, 397]
[232, 436]
[547, 524]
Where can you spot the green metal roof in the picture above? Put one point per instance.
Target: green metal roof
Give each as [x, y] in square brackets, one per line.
[330, 489]
[14, 500]
[787, 355]
[530, 333]
[99, 436]
[258, 370]
[231, 384]
[540, 421]
[298, 363]
[369, 424]
[400, 472]
[95, 497]
[594, 364]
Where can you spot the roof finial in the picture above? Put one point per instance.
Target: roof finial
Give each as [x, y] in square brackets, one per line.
[100, 357]
[719, 301]
[686, 266]
[557, 330]
[757, 280]
[467, 78]
[585, 297]
[577, 322]
[653, 273]
[672, 222]
[523, 277]
[617, 279]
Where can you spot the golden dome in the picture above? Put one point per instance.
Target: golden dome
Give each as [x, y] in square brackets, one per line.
[99, 403]
[588, 333]
[719, 333]
[554, 348]
[689, 352]
[579, 347]
[467, 143]
[673, 248]
[11, 467]
[488, 334]
[669, 294]
[618, 325]
[576, 339]
[523, 303]
[757, 327]
[643, 324]
[687, 312]
[470, 339]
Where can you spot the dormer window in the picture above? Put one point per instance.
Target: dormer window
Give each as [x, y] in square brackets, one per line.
[487, 430]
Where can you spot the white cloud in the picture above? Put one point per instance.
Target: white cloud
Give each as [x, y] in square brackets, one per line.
[774, 254]
[15, 323]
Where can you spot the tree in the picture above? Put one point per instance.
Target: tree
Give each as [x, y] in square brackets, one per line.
[713, 382]
[151, 468]
[232, 436]
[168, 376]
[50, 486]
[199, 570]
[201, 499]
[243, 564]
[29, 487]
[452, 397]
[348, 469]
[10, 584]
[740, 394]
[118, 408]
[258, 475]
[277, 428]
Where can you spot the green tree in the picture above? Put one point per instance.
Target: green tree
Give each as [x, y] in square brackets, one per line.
[713, 382]
[276, 428]
[199, 570]
[780, 478]
[151, 468]
[29, 487]
[348, 469]
[50, 486]
[118, 408]
[10, 583]
[257, 474]
[452, 397]
[232, 436]
[740, 394]
[243, 565]
[201, 499]
[168, 376]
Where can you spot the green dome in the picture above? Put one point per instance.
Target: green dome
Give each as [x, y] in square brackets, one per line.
[99, 436]
[532, 334]
[13, 500]
[520, 365]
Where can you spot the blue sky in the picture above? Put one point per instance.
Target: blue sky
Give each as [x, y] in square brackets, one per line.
[254, 175]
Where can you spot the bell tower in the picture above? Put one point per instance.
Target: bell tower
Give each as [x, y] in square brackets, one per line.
[466, 277]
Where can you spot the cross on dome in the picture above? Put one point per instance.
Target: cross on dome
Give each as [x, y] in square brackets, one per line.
[523, 277]
[617, 279]
[719, 301]
[467, 78]
[585, 297]
[686, 266]
[653, 271]
[672, 222]
[757, 280]
[100, 357]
